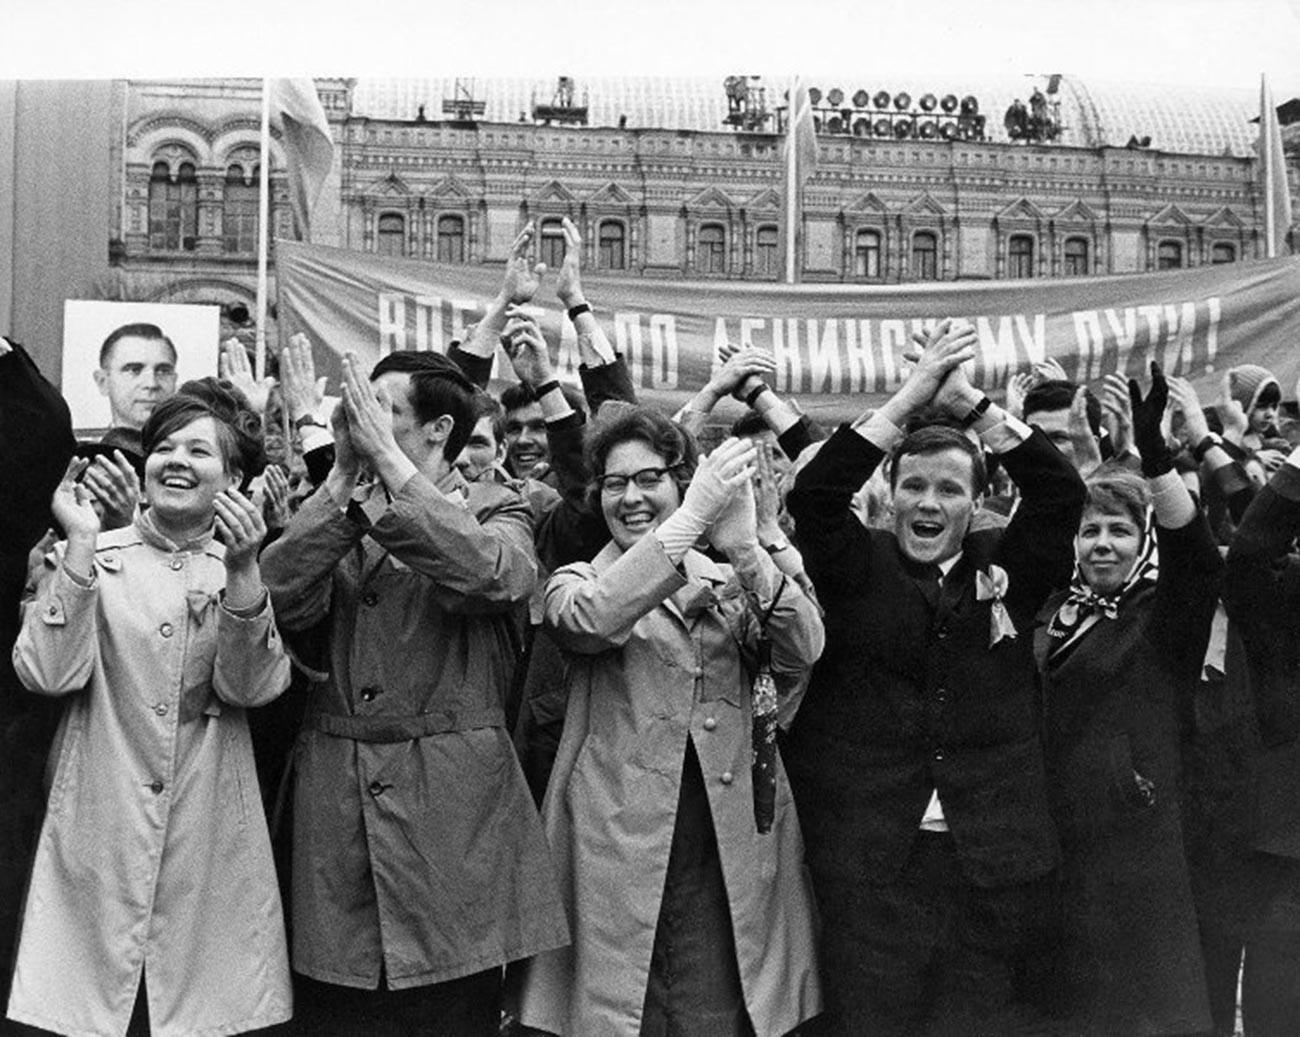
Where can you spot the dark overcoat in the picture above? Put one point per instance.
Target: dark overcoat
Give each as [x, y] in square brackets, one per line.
[1113, 703]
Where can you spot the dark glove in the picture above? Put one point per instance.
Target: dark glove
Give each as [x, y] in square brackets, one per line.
[1147, 415]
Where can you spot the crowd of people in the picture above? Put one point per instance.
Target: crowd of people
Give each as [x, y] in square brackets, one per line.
[970, 718]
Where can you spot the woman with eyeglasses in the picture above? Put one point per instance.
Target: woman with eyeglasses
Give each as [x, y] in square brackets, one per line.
[686, 918]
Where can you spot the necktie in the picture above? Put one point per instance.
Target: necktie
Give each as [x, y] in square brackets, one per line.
[931, 583]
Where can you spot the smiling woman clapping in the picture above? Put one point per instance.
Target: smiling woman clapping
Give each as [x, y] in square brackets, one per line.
[153, 886]
[689, 916]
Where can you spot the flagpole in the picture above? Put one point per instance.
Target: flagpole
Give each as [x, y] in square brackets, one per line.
[263, 219]
[1266, 156]
[791, 184]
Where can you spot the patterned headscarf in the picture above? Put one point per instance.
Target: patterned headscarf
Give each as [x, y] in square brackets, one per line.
[1083, 608]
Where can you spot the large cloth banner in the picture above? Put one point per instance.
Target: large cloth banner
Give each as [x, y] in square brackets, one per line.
[838, 347]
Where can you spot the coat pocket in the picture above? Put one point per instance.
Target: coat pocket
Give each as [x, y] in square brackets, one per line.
[1100, 785]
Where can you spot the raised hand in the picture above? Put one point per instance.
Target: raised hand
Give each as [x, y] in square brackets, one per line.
[1050, 370]
[1018, 386]
[71, 505]
[301, 389]
[737, 368]
[346, 459]
[1235, 422]
[718, 476]
[1148, 419]
[1087, 454]
[369, 413]
[767, 495]
[1117, 413]
[117, 488]
[736, 525]
[948, 345]
[1185, 402]
[240, 527]
[521, 279]
[568, 284]
[526, 349]
[275, 497]
[233, 366]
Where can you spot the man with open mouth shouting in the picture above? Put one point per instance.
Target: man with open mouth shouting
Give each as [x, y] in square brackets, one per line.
[915, 759]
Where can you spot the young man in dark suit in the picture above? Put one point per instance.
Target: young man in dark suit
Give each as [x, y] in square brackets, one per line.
[915, 757]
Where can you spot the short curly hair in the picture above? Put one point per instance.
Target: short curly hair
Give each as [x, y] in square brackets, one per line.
[624, 423]
[239, 429]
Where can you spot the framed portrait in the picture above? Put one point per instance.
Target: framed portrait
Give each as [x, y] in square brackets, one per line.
[121, 358]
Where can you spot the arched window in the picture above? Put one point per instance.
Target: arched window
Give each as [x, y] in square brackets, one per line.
[711, 249]
[1223, 252]
[552, 244]
[451, 239]
[866, 254]
[925, 256]
[612, 252]
[1075, 256]
[1169, 255]
[766, 263]
[391, 237]
[239, 211]
[1020, 256]
[173, 208]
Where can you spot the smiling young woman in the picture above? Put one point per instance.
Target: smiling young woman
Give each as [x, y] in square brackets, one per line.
[154, 885]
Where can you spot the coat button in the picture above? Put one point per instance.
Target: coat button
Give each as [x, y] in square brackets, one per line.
[371, 599]
[177, 564]
[370, 693]
[377, 788]
[157, 787]
[727, 778]
[938, 756]
[710, 723]
[943, 633]
[941, 694]
[161, 709]
[165, 630]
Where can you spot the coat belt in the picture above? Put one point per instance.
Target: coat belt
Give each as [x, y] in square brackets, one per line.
[404, 728]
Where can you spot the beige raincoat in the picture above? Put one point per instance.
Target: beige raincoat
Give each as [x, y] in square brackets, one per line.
[154, 853]
[654, 656]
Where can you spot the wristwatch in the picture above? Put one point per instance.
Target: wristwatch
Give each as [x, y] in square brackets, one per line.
[1199, 451]
[976, 412]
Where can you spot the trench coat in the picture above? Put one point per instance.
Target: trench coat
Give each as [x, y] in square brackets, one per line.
[154, 854]
[654, 657]
[416, 846]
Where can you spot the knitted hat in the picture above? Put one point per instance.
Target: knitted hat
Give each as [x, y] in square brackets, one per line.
[1248, 382]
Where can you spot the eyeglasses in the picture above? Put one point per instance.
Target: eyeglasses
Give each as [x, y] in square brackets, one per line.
[645, 479]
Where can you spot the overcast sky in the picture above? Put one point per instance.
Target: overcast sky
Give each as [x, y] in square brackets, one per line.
[1198, 42]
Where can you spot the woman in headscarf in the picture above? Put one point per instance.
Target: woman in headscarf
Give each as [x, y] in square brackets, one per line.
[153, 904]
[690, 914]
[1120, 655]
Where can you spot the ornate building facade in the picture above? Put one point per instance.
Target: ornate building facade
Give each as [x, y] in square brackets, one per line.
[662, 187]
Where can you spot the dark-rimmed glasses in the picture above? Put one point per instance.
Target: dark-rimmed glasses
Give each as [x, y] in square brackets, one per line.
[646, 479]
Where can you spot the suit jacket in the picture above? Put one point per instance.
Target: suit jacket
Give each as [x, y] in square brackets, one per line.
[1262, 595]
[911, 697]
